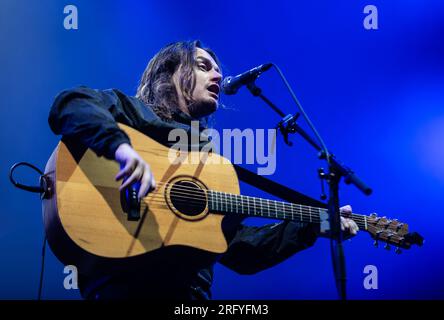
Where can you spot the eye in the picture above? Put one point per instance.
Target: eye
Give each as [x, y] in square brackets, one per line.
[203, 67]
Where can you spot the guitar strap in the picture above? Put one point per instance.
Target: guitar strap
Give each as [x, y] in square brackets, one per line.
[276, 189]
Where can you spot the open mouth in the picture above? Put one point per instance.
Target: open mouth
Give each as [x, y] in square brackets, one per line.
[214, 88]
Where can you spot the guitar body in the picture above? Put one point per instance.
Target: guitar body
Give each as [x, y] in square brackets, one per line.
[85, 221]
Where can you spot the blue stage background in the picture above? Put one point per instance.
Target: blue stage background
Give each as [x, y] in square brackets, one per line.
[376, 96]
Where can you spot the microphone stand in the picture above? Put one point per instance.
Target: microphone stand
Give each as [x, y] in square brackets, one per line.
[336, 171]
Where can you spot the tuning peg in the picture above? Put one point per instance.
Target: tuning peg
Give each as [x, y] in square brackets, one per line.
[398, 251]
[387, 246]
[375, 243]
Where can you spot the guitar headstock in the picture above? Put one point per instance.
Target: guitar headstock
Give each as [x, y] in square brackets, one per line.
[392, 232]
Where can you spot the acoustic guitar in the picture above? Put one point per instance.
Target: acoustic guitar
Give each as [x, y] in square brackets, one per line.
[89, 223]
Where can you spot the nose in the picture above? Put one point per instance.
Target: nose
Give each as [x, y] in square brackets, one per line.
[216, 76]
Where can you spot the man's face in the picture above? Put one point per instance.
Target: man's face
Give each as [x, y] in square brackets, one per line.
[206, 91]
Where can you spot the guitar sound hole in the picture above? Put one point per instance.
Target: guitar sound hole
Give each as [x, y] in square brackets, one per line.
[188, 198]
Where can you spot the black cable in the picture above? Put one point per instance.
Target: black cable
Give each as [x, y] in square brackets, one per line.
[307, 119]
[42, 268]
[43, 189]
[34, 189]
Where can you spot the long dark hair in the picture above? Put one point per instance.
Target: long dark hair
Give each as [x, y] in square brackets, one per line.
[156, 87]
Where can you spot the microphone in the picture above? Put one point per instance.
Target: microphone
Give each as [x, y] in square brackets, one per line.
[230, 85]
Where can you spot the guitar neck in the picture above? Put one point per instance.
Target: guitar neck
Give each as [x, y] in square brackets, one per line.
[226, 203]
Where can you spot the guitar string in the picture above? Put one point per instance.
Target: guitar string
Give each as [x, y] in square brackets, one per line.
[307, 211]
[356, 217]
[243, 207]
[303, 208]
[394, 235]
[295, 210]
[285, 214]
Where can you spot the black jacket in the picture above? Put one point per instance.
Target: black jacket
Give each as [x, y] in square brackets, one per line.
[89, 116]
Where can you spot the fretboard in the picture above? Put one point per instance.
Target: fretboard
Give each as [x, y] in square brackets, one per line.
[226, 203]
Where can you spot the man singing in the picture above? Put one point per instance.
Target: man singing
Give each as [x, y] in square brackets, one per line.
[180, 84]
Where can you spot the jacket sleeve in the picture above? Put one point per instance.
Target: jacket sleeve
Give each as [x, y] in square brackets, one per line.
[253, 249]
[89, 116]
